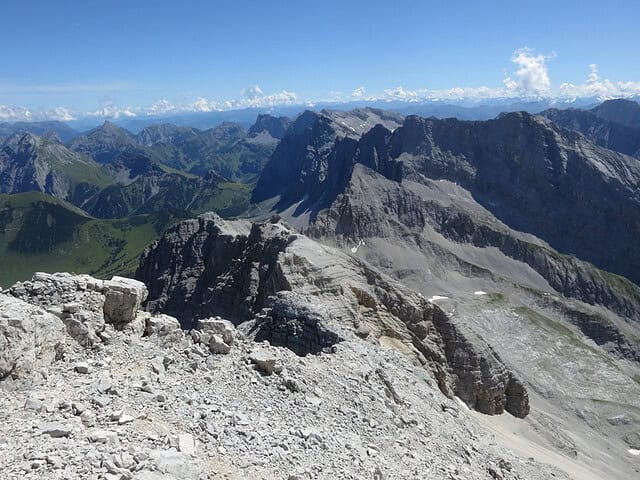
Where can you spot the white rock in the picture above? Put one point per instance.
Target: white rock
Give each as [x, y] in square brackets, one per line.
[164, 329]
[102, 436]
[216, 326]
[218, 345]
[123, 297]
[56, 429]
[186, 444]
[265, 361]
[29, 337]
[82, 367]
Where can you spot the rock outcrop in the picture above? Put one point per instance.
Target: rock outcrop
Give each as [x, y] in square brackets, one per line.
[30, 338]
[605, 133]
[209, 266]
[123, 298]
[84, 303]
[31, 163]
[275, 127]
[293, 321]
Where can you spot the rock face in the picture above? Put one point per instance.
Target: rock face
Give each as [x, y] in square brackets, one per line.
[606, 133]
[483, 382]
[293, 321]
[530, 174]
[307, 162]
[77, 300]
[29, 338]
[239, 266]
[165, 133]
[535, 178]
[276, 127]
[31, 163]
[373, 206]
[104, 143]
[621, 111]
[208, 266]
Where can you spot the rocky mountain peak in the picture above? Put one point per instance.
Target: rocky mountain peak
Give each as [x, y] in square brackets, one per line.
[621, 111]
[165, 133]
[23, 142]
[276, 127]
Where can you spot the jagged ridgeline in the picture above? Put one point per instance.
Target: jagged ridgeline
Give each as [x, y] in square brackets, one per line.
[414, 278]
[93, 203]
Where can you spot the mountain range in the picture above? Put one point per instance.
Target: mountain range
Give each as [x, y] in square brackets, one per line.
[499, 254]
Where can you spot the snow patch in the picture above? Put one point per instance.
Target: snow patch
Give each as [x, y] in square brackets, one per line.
[437, 297]
[479, 292]
[464, 405]
[633, 451]
[357, 246]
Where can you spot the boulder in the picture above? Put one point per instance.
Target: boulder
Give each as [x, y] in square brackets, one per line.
[56, 429]
[218, 345]
[29, 337]
[265, 361]
[217, 326]
[164, 329]
[123, 298]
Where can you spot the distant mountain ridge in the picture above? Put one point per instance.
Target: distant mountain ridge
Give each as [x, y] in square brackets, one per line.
[31, 163]
[536, 177]
[609, 125]
[42, 129]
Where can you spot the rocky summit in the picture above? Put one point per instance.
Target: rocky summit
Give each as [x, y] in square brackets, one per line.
[309, 386]
[93, 387]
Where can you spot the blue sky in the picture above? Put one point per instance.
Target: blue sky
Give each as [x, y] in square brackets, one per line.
[115, 57]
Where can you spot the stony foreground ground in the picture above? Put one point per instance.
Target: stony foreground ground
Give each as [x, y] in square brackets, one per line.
[140, 398]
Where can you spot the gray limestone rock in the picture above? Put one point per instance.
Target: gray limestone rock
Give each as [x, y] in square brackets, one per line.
[29, 337]
[123, 298]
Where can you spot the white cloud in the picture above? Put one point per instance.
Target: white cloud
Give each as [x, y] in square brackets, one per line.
[202, 105]
[358, 93]
[529, 78]
[110, 110]
[252, 92]
[597, 87]
[161, 107]
[61, 114]
[255, 97]
[532, 76]
[9, 113]
[399, 93]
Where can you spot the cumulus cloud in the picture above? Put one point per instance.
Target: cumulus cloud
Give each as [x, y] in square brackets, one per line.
[600, 88]
[202, 105]
[110, 110]
[9, 113]
[532, 75]
[358, 93]
[400, 93]
[252, 92]
[254, 97]
[529, 78]
[161, 107]
[61, 114]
